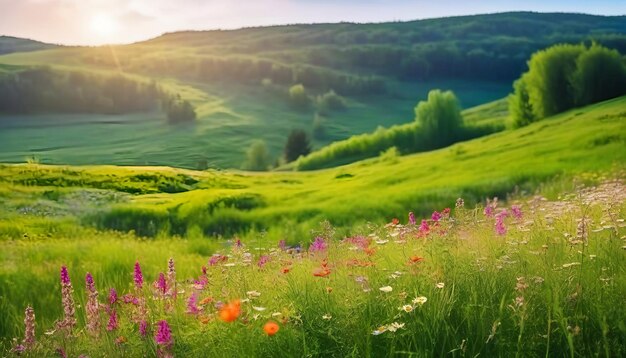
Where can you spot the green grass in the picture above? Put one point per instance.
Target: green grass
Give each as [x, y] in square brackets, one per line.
[173, 201]
[535, 291]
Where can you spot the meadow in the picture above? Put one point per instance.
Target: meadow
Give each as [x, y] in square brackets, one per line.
[525, 277]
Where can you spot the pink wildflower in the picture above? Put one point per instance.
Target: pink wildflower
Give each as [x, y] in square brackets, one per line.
[112, 296]
[517, 212]
[113, 324]
[92, 306]
[143, 328]
[138, 276]
[263, 260]
[424, 228]
[192, 304]
[319, 245]
[163, 335]
[161, 284]
[69, 311]
[412, 220]
[29, 328]
[436, 216]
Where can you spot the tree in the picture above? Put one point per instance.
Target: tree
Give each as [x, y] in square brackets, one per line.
[180, 111]
[439, 118]
[566, 76]
[298, 144]
[257, 157]
[298, 97]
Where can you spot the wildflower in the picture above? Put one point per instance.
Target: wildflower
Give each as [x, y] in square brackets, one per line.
[380, 330]
[327, 317]
[415, 259]
[263, 260]
[120, 340]
[419, 300]
[459, 203]
[138, 277]
[499, 225]
[369, 251]
[329, 289]
[436, 216]
[395, 326]
[285, 269]
[163, 335]
[69, 312]
[29, 328]
[282, 245]
[386, 289]
[260, 309]
[92, 306]
[318, 245]
[128, 298]
[582, 229]
[205, 301]
[440, 285]
[271, 328]
[253, 294]
[161, 284]
[192, 304]
[143, 328]
[424, 228]
[112, 296]
[238, 243]
[171, 277]
[407, 308]
[517, 212]
[321, 272]
[490, 208]
[113, 324]
[412, 218]
[229, 312]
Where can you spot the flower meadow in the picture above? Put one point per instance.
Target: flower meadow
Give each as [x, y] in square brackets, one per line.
[523, 277]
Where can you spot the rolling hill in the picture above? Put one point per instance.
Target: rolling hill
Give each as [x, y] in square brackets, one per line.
[238, 82]
[171, 201]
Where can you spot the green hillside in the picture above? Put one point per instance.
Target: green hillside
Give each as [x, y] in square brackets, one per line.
[183, 202]
[238, 82]
[10, 44]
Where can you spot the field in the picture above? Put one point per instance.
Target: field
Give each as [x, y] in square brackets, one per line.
[231, 118]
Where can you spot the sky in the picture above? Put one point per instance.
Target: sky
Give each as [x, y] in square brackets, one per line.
[95, 22]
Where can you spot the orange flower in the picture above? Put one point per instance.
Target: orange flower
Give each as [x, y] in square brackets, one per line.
[415, 259]
[230, 311]
[329, 289]
[206, 301]
[271, 328]
[369, 251]
[205, 319]
[321, 271]
[285, 269]
[395, 221]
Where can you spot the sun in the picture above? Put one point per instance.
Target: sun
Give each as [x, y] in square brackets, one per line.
[103, 25]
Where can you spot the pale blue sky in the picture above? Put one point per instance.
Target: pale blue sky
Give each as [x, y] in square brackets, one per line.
[123, 21]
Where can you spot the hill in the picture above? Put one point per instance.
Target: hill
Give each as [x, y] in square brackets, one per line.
[184, 202]
[238, 82]
[10, 44]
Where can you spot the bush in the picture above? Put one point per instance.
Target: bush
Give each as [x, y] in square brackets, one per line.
[440, 118]
[566, 76]
[298, 97]
[329, 102]
[257, 157]
[180, 111]
[298, 144]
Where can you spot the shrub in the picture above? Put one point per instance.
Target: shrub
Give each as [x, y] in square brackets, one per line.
[298, 97]
[257, 157]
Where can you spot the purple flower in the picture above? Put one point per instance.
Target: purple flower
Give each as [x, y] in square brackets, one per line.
[517, 212]
[138, 276]
[282, 245]
[112, 296]
[412, 220]
[359, 241]
[163, 335]
[499, 226]
[319, 245]
[65, 276]
[436, 216]
[113, 324]
[424, 228]
[91, 287]
[161, 284]
[192, 304]
[29, 328]
[263, 260]
[143, 328]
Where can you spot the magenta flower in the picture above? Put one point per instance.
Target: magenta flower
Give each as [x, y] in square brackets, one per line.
[138, 276]
[517, 212]
[424, 228]
[436, 216]
[412, 220]
[65, 276]
[163, 335]
[161, 284]
[238, 243]
[67, 298]
[192, 304]
[361, 242]
[499, 226]
[319, 245]
[143, 328]
[112, 296]
[91, 287]
[263, 260]
[113, 324]
[282, 245]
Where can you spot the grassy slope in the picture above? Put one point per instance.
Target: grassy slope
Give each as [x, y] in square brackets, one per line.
[587, 139]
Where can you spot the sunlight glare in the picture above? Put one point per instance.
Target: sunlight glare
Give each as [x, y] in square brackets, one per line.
[103, 25]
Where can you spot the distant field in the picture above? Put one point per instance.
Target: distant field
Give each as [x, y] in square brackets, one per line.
[230, 118]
